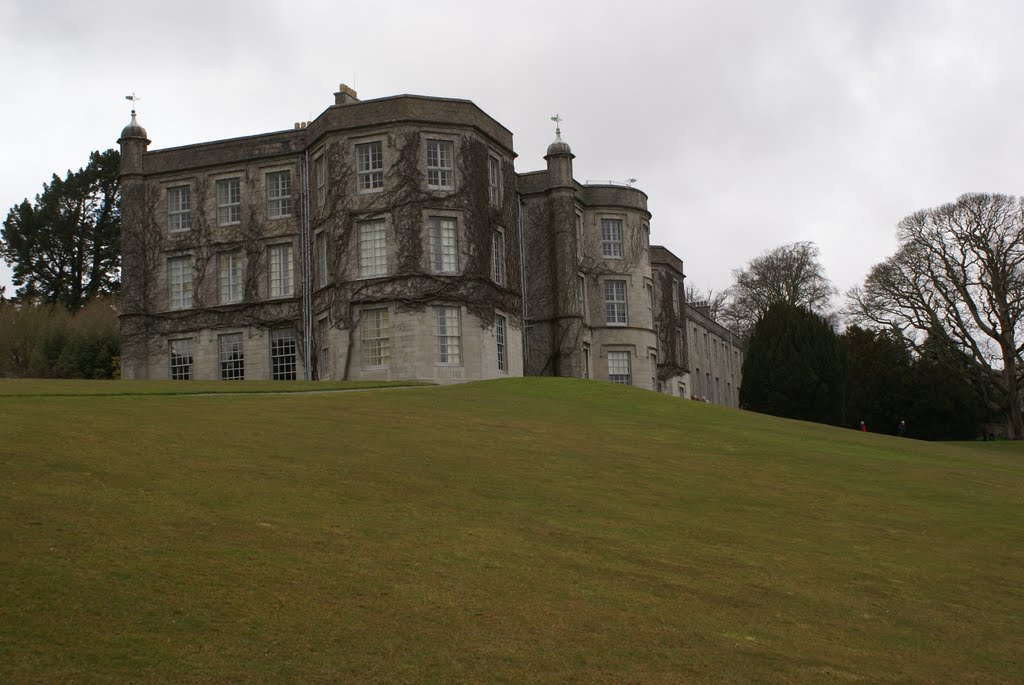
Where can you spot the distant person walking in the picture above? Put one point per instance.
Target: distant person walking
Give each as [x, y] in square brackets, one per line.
[863, 427]
[901, 430]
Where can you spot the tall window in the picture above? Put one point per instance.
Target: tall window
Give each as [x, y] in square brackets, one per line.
[611, 238]
[373, 251]
[615, 303]
[581, 295]
[499, 335]
[494, 180]
[181, 359]
[179, 282]
[231, 357]
[579, 237]
[323, 334]
[279, 194]
[320, 179]
[321, 258]
[675, 297]
[618, 367]
[498, 257]
[282, 280]
[179, 208]
[229, 277]
[370, 166]
[376, 337]
[440, 168]
[229, 202]
[650, 299]
[449, 337]
[442, 245]
[586, 360]
[282, 354]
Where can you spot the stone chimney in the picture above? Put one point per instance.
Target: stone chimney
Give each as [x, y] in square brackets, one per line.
[345, 95]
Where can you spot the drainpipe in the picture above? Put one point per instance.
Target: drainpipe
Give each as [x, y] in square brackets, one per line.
[522, 281]
[307, 272]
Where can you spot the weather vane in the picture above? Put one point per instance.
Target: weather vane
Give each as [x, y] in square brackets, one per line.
[558, 130]
[133, 98]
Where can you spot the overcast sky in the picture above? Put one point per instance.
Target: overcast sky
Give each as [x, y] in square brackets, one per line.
[748, 123]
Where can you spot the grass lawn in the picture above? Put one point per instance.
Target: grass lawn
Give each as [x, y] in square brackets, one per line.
[525, 530]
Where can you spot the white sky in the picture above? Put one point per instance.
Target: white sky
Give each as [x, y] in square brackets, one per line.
[748, 123]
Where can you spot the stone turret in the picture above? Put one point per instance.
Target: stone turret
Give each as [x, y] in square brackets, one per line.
[133, 142]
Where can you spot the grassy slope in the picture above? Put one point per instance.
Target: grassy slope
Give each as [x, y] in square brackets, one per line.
[516, 530]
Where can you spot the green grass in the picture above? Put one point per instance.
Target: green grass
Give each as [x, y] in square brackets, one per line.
[83, 388]
[526, 530]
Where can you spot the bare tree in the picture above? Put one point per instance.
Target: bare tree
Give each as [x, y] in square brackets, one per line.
[789, 273]
[959, 270]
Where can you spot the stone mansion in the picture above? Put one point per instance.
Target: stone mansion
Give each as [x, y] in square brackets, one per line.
[393, 239]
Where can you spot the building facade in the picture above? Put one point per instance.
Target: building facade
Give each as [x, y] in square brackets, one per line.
[392, 239]
[376, 242]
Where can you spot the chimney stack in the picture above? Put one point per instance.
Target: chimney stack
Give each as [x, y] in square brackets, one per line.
[345, 95]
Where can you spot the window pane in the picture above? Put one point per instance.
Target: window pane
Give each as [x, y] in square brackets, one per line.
[181, 359]
[231, 357]
[375, 336]
[448, 336]
[282, 355]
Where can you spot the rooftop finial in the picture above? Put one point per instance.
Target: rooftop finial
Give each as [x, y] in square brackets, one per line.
[558, 129]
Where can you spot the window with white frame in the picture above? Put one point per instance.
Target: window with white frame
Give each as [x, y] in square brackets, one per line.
[443, 256]
[649, 287]
[581, 295]
[449, 336]
[323, 336]
[282, 281]
[279, 194]
[229, 202]
[499, 335]
[440, 165]
[180, 359]
[231, 357]
[179, 282]
[375, 335]
[321, 258]
[370, 166]
[586, 360]
[615, 302]
[283, 353]
[179, 208]
[498, 257]
[320, 179]
[373, 250]
[494, 180]
[618, 367]
[229, 277]
[611, 238]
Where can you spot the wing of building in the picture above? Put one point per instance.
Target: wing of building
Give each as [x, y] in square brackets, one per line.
[393, 239]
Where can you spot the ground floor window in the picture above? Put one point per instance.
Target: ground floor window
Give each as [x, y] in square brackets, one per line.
[325, 349]
[449, 336]
[499, 334]
[375, 337]
[181, 359]
[618, 367]
[232, 358]
[282, 354]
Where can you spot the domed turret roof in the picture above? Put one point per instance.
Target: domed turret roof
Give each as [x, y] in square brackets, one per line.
[559, 147]
[133, 130]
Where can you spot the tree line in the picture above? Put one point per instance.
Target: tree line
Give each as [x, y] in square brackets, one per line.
[64, 250]
[936, 331]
